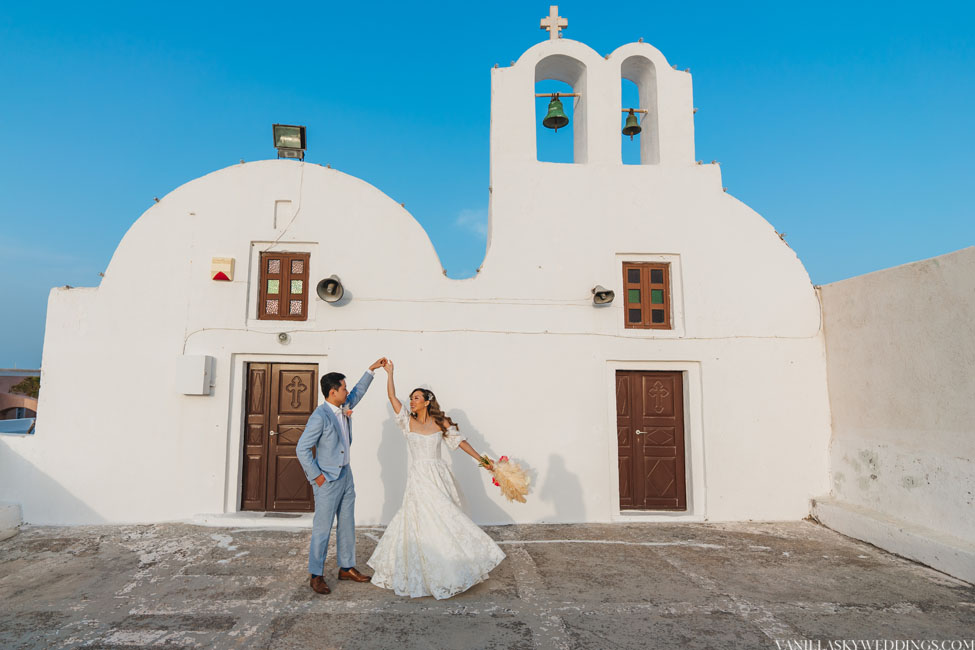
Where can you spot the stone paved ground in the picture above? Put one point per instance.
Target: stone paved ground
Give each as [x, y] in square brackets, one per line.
[575, 586]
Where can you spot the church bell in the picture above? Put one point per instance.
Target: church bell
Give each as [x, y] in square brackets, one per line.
[556, 117]
[632, 126]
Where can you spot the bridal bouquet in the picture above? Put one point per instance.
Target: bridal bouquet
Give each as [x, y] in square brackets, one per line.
[510, 477]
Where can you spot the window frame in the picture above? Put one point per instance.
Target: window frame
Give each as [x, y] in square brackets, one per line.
[646, 287]
[284, 286]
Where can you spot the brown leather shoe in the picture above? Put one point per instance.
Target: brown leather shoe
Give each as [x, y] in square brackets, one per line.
[319, 585]
[353, 574]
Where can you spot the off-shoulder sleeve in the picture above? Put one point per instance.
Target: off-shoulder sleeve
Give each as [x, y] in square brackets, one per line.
[403, 418]
[453, 438]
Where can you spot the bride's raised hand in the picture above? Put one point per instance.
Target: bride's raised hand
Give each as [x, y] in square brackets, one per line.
[388, 366]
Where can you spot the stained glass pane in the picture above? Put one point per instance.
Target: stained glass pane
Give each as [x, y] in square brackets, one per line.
[272, 307]
[633, 275]
[633, 295]
[634, 315]
[295, 307]
[297, 266]
[657, 315]
[272, 286]
[274, 266]
[657, 296]
[656, 276]
[296, 287]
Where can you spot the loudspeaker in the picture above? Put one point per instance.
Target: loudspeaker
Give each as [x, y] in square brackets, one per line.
[601, 295]
[330, 289]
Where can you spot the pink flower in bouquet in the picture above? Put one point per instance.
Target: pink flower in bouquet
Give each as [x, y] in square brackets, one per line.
[503, 459]
[495, 481]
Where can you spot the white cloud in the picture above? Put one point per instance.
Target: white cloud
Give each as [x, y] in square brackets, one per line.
[474, 221]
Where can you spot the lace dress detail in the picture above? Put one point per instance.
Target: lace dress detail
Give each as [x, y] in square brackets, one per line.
[431, 548]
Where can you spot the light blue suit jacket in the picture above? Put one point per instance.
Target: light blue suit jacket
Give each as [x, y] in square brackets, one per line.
[323, 433]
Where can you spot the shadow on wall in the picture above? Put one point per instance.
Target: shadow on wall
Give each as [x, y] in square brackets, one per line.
[392, 463]
[43, 499]
[563, 490]
[474, 482]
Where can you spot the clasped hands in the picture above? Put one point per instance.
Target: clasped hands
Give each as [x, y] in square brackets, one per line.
[380, 363]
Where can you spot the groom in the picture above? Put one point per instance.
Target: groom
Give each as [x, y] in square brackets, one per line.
[329, 433]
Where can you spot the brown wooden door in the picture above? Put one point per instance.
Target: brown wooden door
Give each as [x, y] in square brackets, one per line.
[650, 436]
[280, 398]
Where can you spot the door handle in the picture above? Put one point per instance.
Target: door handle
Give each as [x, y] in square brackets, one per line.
[638, 432]
[274, 433]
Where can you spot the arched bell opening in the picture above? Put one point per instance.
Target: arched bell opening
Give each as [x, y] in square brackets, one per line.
[631, 144]
[561, 74]
[554, 145]
[639, 71]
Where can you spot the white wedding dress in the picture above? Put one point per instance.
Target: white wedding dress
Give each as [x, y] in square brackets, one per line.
[431, 548]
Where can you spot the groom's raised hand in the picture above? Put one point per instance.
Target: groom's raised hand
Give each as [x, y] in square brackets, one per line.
[379, 363]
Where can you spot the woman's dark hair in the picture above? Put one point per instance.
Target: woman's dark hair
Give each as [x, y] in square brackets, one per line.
[332, 380]
[441, 419]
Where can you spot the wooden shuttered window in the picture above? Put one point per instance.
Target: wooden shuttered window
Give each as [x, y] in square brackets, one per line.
[283, 291]
[646, 288]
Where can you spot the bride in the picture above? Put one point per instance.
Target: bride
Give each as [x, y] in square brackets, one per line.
[430, 548]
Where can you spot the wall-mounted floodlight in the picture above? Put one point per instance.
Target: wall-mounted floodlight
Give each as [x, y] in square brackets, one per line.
[289, 140]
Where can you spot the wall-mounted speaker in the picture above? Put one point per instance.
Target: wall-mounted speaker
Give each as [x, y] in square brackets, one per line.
[601, 295]
[330, 289]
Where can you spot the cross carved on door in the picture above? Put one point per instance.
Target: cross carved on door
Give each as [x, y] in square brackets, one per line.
[658, 393]
[296, 388]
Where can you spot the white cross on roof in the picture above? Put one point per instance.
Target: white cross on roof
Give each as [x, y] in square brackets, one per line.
[554, 23]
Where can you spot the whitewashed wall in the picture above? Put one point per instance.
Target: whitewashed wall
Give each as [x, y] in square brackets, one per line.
[901, 353]
[518, 355]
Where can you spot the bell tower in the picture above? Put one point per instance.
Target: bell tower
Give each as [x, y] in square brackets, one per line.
[532, 199]
[665, 113]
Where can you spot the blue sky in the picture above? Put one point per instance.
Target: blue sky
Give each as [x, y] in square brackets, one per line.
[849, 126]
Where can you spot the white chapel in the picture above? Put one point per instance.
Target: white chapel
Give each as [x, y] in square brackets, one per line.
[644, 343]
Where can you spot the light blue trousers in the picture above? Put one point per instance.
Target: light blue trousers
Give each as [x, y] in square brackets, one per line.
[333, 499]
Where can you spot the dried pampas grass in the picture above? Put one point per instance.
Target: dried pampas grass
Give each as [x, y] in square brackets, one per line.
[510, 477]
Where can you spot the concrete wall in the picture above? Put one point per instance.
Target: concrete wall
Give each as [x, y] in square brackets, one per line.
[901, 364]
[10, 520]
[518, 355]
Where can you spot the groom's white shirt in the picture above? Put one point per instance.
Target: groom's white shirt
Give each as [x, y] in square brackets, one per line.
[344, 427]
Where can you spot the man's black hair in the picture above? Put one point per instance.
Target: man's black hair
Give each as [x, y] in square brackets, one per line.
[332, 380]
